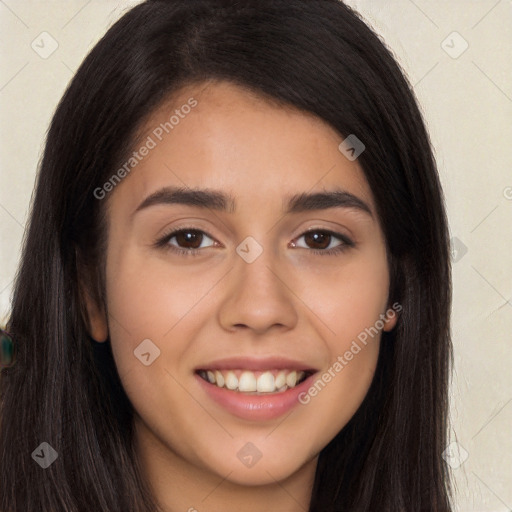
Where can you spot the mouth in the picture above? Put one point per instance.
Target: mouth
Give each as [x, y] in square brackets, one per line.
[259, 382]
[255, 389]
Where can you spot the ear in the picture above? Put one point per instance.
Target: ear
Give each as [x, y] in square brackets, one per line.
[391, 317]
[91, 308]
[96, 319]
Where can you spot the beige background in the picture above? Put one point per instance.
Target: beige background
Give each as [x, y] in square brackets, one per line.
[466, 96]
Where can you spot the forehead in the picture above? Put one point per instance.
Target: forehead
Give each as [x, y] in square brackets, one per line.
[221, 136]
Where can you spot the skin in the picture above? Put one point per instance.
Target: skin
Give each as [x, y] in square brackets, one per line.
[289, 302]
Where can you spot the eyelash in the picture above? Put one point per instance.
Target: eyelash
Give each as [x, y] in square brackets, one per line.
[163, 242]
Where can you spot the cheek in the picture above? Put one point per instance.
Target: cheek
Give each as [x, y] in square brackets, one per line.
[148, 299]
[348, 305]
[148, 296]
[349, 299]
[144, 304]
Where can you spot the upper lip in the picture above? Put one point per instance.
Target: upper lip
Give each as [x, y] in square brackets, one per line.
[255, 364]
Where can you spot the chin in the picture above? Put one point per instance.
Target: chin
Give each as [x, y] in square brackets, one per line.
[267, 470]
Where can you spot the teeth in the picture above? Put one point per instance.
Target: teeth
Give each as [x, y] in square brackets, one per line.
[254, 382]
[280, 380]
[291, 379]
[219, 378]
[231, 381]
[266, 383]
[247, 382]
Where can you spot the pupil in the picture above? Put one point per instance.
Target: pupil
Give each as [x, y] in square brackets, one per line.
[190, 237]
[315, 236]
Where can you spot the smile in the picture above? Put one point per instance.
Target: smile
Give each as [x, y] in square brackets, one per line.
[254, 389]
[255, 382]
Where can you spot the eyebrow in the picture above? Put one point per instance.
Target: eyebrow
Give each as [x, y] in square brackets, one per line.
[222, 202]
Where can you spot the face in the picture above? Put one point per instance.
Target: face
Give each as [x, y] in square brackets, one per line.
[237, 317]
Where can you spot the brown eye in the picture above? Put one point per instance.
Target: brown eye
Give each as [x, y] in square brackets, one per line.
[190, 238]
[319, 240]
[188, 241]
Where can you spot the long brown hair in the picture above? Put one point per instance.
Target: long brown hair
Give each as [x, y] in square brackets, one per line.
[319, 57]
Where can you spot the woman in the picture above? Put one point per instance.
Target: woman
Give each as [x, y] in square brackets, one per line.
[297, 361]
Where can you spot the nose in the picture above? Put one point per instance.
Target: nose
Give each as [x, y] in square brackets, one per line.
[259, 296]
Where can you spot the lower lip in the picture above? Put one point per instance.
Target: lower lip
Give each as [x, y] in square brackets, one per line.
[255, 407]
